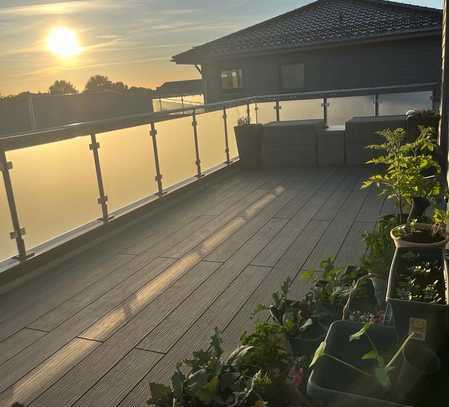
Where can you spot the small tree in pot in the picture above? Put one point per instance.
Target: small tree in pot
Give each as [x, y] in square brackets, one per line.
[406, 178]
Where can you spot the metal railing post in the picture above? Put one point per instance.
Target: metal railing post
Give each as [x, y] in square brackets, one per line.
[256, 109]
[103, 198]
[248, 113]
[158, 177]
[325, 105]
[278, 108]
[434, 99]
[225, 122]
[197, 148]
[376, 104]
[18, 232]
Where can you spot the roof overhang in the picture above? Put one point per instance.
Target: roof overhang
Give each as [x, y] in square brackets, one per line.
[196, 56]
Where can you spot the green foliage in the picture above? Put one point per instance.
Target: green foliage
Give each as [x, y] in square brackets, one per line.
[269, 352]
[406, 166]
[440, 219]
[210, 381]
[422, 281]
[379, 247]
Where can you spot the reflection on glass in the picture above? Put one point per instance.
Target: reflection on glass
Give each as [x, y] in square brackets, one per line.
[301, 109]
[127, 164]
[7, 246]
[179, 102]
[55, 188]
[340, 110]
[211, 139]
[176, 150]
[266, 112]
[400, 103]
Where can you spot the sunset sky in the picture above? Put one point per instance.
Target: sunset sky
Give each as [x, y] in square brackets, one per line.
[128, 40]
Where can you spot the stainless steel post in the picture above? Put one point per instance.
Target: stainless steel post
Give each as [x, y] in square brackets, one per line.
[197, 148]
[158, 178]
[277, 107]
[103, 198]
[18, 232]
[225, 122]
[376, 104]
[325, 105]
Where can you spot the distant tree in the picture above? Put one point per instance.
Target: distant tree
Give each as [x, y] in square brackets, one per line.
[62, 88]
[99, 83]
[119, 87]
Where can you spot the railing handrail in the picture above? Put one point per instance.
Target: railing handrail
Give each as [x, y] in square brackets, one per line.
[49, 135]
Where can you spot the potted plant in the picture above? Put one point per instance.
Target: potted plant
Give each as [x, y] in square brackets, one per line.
[378, 255]
[299, 319]
[210, 380]
[411, 175]
[416, 119]
[418, 295]
[414, 234]
[332, 287]
[249, 142]
[363, 364]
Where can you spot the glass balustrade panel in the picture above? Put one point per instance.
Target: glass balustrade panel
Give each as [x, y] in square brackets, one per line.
[211, 138]
[127, 165]
[55, 188]
[176, 150]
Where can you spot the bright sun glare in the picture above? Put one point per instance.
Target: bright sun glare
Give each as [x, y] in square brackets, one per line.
[63, 42]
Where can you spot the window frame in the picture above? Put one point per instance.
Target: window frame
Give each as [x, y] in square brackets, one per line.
[231, 70]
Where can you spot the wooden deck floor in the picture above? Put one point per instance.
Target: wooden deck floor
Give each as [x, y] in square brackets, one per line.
[96, 330]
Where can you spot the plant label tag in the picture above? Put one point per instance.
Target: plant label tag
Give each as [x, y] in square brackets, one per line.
[418, 327]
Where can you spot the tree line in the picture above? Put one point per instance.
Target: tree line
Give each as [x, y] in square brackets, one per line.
[96, 83]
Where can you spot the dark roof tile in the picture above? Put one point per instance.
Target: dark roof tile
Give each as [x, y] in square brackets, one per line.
[321, 22]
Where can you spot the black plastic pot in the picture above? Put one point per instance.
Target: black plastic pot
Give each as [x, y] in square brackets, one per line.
[340, 386]
[249, 143]
[429, 322]
[419, 365]
[308, 342]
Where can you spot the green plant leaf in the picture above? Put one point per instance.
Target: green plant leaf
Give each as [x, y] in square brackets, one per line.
[382, 377]
[371, 355]
[238, 353]
[160, 393]
[207, 392]
[319, 353]
[361, 332]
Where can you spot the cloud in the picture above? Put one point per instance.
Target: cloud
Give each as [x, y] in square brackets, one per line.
[59, 8]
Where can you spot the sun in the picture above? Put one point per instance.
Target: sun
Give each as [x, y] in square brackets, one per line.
[63, 42]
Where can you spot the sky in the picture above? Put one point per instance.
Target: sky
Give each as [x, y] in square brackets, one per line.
[127, 40]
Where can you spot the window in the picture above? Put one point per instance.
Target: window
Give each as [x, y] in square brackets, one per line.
[292, 76]
[231, 79]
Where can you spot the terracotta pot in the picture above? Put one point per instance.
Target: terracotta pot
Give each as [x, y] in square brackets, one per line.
[400, 242]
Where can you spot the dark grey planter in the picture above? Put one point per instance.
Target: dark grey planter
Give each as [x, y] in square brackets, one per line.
[429, 321]
[340, 386]
[249, 144]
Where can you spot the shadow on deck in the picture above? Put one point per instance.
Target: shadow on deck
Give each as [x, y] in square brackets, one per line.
[96, 329]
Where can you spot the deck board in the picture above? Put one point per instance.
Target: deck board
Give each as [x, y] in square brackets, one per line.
[96, 329]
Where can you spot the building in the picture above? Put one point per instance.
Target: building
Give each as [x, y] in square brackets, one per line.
[178, 95]
[326, 45]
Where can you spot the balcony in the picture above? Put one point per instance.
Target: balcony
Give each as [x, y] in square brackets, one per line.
[106, 305]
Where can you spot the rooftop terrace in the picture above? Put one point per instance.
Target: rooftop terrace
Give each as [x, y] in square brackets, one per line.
[97, 328]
